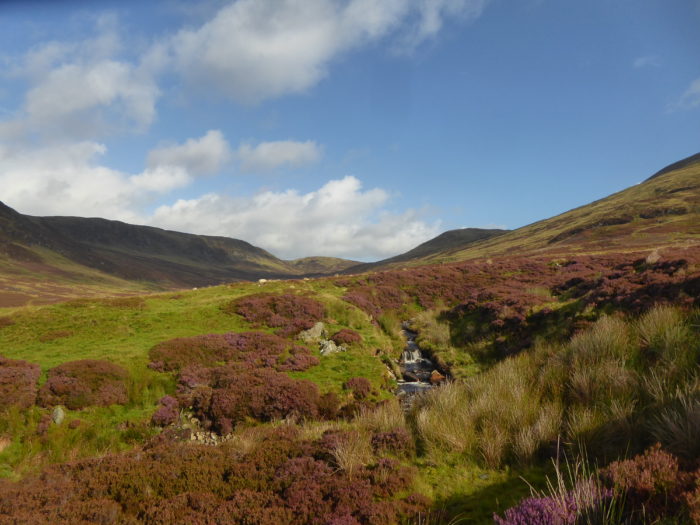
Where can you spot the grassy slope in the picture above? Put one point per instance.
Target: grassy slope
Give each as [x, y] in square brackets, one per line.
[676, 189]
[123, 331]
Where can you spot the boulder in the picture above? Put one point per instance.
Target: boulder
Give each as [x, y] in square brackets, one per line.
[410, 377]
[315, 333]
[58, 415]
[327, 347]
[436, 378]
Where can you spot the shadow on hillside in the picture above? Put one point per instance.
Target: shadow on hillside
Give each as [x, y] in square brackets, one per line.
[480, 506]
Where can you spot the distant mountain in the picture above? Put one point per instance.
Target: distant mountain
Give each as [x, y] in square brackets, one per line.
[99, 253]
[449, 240]
[321, 265]
[663, 210]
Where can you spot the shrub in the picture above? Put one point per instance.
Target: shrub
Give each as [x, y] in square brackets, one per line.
[167, 413]
[18, 383]
[230, 394]
[252, 349]
[278, 479]
[653, 484]
[346, 336]
[79, 384]
[6, 321]
[289, 313]
[398, 441]
[360, 387]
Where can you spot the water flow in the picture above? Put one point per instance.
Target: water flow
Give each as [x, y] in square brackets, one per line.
[415, 367]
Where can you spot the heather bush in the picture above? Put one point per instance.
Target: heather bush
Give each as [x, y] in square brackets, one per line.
[346, 336]
[253, 349]
[359, 386]
[398, 441]
[89, 382]
[289, 313]
[278, 479]
[6, 321]
[224, 396]
[168, 412]
[18, 383]
[653, 484]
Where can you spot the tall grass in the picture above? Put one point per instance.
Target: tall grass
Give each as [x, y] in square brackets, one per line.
[602, 392]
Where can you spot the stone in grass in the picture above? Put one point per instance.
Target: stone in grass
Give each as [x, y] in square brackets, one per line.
[58, 415]
[436, 377]
[315, 333]
[328, 347]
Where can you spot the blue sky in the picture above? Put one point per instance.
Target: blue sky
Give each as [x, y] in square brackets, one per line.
[352, 128]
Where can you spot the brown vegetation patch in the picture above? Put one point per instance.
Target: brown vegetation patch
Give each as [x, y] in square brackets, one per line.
[89, 382]
[288, 313]
[279, 478]
[346, 336]
[18, 383]
[55, 334]
[252, 349]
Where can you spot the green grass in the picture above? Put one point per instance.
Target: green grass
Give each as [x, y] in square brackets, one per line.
[123, 330]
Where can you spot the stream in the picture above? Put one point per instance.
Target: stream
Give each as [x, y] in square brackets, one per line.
[415, 367]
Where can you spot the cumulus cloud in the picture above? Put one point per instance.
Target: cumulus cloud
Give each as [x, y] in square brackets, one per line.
[691, 98]
[80, 90]
[69, 180]
[201, 156]
[267, 156]
[340, 219]
[253, 50]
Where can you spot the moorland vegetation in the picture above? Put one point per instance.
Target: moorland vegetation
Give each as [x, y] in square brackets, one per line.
[573, 397]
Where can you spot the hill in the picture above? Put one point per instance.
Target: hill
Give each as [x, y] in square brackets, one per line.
[449, 240]
[664, 210]
[48, 258]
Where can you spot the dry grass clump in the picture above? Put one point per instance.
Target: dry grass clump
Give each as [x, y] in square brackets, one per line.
[383, 417]
[352, 451]
[600, 392]
[677, 426]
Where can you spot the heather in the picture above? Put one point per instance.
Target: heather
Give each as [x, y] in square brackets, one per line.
[88, 382]
[591, 357]
[276, 478]
[18, 383]
[252, 349]
[288, 313]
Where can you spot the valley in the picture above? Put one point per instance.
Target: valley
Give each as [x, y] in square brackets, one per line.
[567, 352]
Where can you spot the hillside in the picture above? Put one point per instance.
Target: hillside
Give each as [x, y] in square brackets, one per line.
[663, 210]
[48, 258]
[449, 240]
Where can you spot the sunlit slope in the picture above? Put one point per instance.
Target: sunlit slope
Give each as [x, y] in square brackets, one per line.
[664, 210]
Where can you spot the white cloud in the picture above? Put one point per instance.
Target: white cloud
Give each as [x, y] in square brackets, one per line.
[81, 90]
[691, 98]
[267, 156]
[647, 61]
[253, 50]
[337, 219]
[340, 218]
[200, 156]
[68, 180]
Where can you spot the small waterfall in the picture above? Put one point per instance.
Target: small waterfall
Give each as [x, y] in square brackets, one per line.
[415, 367]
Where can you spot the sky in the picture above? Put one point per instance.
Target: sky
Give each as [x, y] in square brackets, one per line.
[347, 128]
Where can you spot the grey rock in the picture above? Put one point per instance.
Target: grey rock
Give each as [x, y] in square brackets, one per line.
[328, 347]
[58, 415]
[315, 333]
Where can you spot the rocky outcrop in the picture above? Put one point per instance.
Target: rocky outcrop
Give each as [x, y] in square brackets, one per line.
[316, 333]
